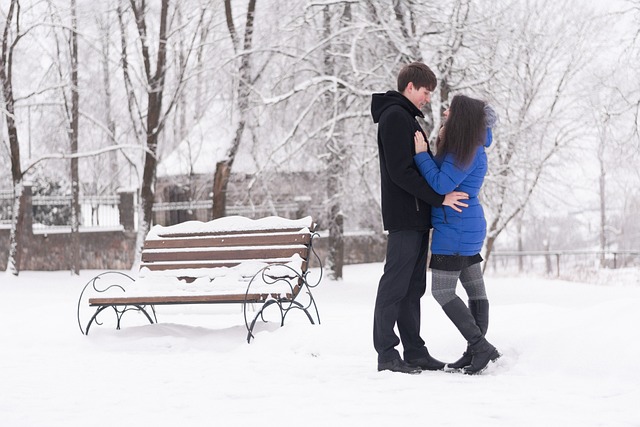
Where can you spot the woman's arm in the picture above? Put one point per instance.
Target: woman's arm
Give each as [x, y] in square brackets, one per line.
[443, 179]
[395, 133]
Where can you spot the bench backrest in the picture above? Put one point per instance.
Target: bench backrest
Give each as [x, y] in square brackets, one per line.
[227, 242]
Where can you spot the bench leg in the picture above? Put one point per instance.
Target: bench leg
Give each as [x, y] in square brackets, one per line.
[283, 314]
[120, 313]
[98, 311]
[142, 309]
[260, 314]
[297, 305]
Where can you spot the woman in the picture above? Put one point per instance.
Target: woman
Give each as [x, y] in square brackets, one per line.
[460, 164]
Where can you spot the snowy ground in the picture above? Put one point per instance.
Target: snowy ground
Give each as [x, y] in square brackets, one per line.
[570, 359]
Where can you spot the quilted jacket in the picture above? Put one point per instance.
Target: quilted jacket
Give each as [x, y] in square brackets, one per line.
[456, 233]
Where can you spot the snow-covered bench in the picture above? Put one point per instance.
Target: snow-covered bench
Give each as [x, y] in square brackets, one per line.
[228, 260]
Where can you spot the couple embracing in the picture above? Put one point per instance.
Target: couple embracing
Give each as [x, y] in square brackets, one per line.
[421, 190]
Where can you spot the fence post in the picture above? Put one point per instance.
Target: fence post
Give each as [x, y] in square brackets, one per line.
[126, 208]
[558, 264]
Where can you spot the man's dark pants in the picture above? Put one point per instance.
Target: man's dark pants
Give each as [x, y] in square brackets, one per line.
[402, 284]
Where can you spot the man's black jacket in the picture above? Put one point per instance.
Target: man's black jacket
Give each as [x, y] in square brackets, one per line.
[406, 196]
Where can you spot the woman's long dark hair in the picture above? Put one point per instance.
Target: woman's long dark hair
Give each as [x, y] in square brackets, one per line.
[464, 130]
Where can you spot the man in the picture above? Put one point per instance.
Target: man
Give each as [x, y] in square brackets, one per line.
[406, 214]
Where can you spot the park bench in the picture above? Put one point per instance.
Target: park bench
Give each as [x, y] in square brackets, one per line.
[224, 261]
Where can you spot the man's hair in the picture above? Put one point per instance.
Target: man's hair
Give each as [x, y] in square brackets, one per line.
[464, 130]
[418, 74]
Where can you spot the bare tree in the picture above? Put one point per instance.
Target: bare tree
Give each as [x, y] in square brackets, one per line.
[11, 35]
[104, 27]
[336, 141]
[604, 124]
[67, 67]
[632, 53]
[341, 55]
[616, 154]
[74, 127]
[155, 81]
[329, 85]
[406, 29]
[241, 48]
[448, 52]
[533, 91]
[150, 120]
[464, 42]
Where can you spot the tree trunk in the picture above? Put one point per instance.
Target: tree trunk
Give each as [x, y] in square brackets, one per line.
[223, 167]
[603, 209]
[154, 111]
[16, 235]
[602, 186]
[114, 180]
[75, 118]
[336, 233]
[520, 245]
[488, 248]
[147, 192]
[17, 219]
[220, 182]
[336, 149]
[547, 257]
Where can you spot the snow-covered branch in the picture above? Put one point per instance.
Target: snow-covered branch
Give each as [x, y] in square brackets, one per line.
[92, 153]
[314, 81]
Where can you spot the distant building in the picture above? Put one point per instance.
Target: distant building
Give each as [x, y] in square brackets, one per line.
[184, 182]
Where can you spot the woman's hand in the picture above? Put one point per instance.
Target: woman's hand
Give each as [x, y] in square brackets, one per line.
[420, 143]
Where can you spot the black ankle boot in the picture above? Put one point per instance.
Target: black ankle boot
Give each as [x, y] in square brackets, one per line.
[458, 365]
[482, 352]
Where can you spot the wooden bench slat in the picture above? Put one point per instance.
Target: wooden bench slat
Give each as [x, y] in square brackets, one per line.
[225, 241]
[168, 265]
[232, 232]
[235, 254]
[178, 299]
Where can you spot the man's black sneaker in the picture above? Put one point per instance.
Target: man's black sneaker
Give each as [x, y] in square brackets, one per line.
[427, 363]
[398, 365]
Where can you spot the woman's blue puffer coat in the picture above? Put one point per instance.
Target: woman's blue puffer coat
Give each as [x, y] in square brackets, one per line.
[456, 233]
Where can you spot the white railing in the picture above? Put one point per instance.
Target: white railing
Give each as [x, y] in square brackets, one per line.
[181, 206]
[6, 206]
[95, 211]
[559, 262]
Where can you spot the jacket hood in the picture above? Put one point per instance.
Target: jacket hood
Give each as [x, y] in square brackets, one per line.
[381, 101]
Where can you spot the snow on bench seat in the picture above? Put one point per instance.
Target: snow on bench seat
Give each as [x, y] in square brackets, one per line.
[230, 225]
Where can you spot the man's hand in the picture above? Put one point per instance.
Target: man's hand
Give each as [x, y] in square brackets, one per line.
[453, 200]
